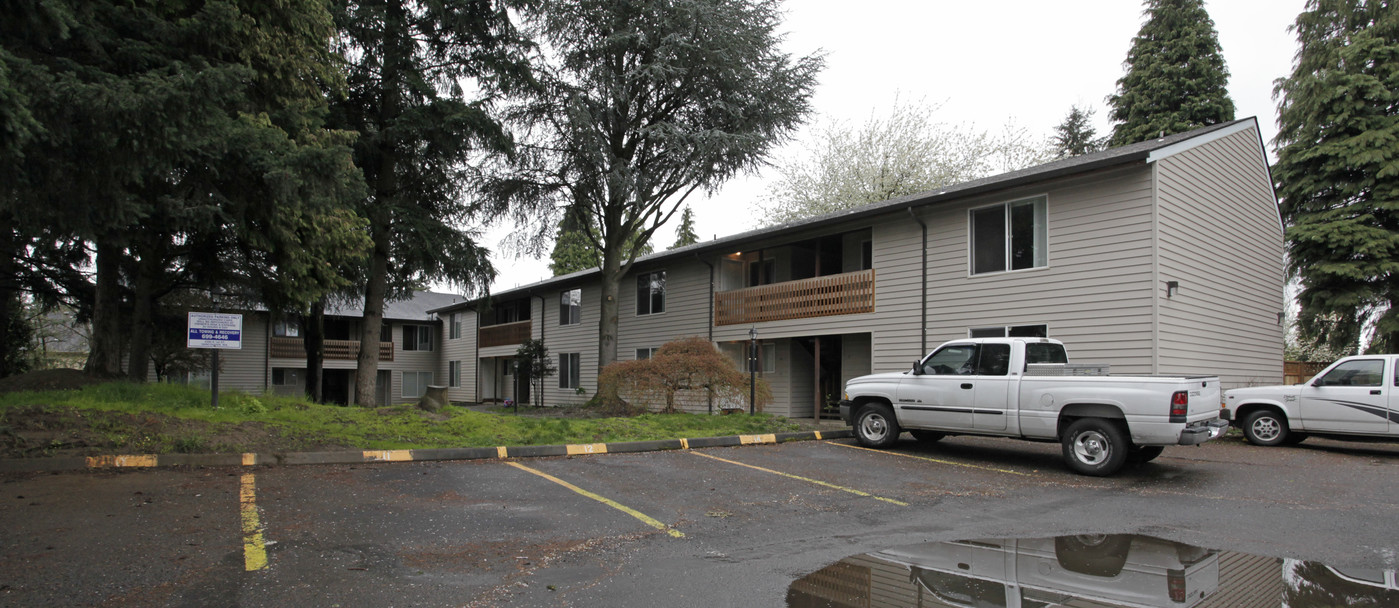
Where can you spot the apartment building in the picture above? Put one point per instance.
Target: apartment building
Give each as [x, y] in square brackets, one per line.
[1164, 256]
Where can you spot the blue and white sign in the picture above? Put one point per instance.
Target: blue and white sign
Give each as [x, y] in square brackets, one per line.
[215, 330]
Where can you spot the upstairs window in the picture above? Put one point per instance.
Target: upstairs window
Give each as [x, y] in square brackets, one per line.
[287, 329]
[650, 293]
[1009, 236]
[455, 325]
[417, 337]
[571, 307]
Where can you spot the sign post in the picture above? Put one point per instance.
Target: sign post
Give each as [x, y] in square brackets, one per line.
[217, 331]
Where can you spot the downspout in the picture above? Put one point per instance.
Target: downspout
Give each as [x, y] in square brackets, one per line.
[923, 298]
[710, 326]
[542, 303]
[476, 343]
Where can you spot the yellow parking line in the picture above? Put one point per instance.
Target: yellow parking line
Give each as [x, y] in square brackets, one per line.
[937, 460]
[808, 480]
[254, 551]
[650, 521]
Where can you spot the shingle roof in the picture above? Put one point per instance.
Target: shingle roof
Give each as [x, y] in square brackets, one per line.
[1138, 152]
[418, 307]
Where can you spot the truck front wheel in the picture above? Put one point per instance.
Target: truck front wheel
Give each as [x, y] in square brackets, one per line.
[1093, 446]
[875, 426]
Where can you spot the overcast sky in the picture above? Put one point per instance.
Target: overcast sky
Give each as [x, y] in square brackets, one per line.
[987, 64]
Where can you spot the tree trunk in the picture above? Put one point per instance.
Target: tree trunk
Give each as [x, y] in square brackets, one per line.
[367, 370]
[607, 325]
[148, 271]
[104, 354]
[314, 327]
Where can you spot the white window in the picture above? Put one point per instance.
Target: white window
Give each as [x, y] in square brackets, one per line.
[1009, 236]
[287, 329]
[569, 367]
[454, 323]
[645, 353]
[282, 376]
[415, 383]
[650, 293]
[454, 374]
[1012, 331]
[417, 337]
[767, 357]
[571, 307]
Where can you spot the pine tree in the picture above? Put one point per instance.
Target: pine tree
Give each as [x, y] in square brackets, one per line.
[573, 251]
[1338, 172]
[1075, 136]
[1176, 76]
[685, 234]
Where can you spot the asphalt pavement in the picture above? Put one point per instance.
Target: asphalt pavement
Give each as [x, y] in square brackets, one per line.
[692, 526]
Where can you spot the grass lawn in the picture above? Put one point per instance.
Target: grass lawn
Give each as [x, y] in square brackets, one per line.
[128, 418]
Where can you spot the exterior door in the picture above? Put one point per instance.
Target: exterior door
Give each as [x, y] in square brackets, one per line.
[992, 388]
[1350, 398]
[941, 396]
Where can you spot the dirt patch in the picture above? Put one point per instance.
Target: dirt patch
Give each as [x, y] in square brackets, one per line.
[50, 431]
[49, 380]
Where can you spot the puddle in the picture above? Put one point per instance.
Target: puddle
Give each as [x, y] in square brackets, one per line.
[1085, 571]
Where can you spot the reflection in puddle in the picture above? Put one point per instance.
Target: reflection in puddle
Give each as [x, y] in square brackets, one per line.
[1085, 571]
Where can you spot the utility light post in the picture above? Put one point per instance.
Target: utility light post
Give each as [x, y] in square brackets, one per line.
[752, 370]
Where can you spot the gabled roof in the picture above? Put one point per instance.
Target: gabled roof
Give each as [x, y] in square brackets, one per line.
[1143, 152]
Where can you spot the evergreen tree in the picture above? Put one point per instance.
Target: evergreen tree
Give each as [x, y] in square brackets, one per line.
[685, 234]
[1338, 172]
[645, 103]
[420, 138]
[1075, 136]
[1176, 76]
[573, 251]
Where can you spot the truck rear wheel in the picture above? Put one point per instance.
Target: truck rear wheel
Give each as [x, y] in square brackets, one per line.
[1265, 427]
[1093, 446]
[876, 427]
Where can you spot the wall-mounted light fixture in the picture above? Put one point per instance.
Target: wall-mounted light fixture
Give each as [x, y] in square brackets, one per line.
[1172, 287]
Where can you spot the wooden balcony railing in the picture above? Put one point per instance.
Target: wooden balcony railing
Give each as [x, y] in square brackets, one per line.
[337, 350]
[505, 334]
[839, 294]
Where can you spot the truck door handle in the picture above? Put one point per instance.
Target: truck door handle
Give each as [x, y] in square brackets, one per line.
[966, 385]
[1375, 392]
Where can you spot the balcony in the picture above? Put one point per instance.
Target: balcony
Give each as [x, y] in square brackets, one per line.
[333, 350]
[839, 294]
[505, 334]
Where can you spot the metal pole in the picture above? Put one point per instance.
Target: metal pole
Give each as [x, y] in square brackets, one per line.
[214, 379]
[752, 371]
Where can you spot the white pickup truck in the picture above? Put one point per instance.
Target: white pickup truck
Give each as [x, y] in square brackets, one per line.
[1355, 398]
[1025, 388]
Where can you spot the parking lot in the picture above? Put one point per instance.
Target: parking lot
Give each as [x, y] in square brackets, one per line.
[713, 527]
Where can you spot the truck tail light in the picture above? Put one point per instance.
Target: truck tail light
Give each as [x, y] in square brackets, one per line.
[1175, 585]
[1180, 406]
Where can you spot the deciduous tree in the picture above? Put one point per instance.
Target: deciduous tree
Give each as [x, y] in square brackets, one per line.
[907, 152]
[687, 365]
[1338, 172]
[1176, 78]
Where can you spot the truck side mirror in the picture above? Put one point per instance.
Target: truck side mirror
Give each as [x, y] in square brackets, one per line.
[918, 367]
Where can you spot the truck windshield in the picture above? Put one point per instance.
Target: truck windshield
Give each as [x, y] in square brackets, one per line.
[1045, 352]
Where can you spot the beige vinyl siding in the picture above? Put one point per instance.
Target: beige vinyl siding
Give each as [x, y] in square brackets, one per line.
[801, 380]
[414, 361]
[1221, 239]
[246, 369]
[580, 338]
[855, 356]
[1095, 294]
[686, 314]
[460, 349]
